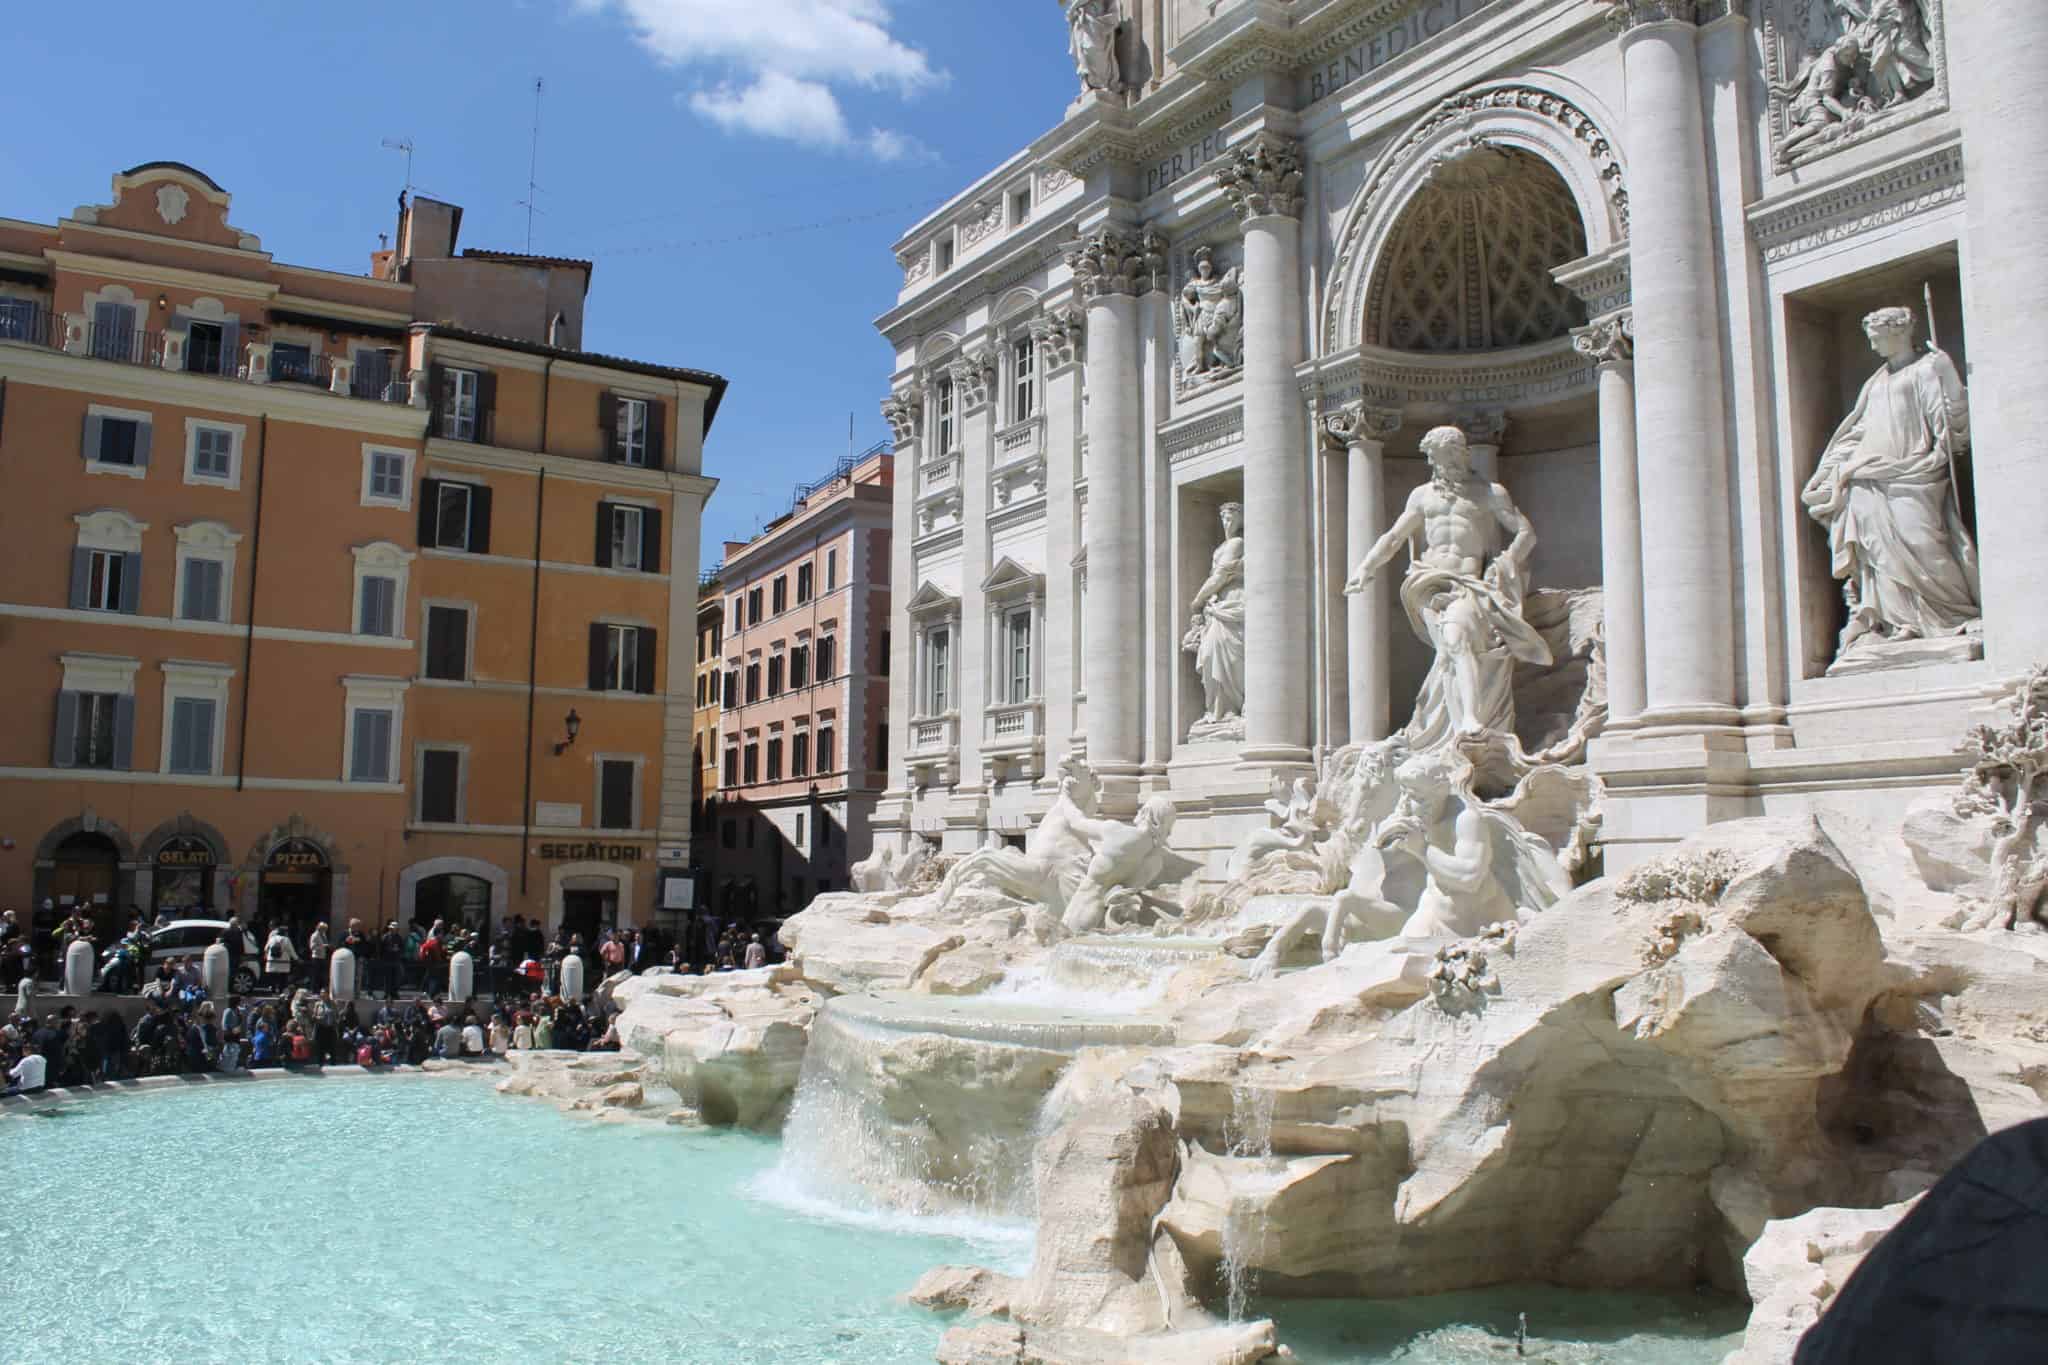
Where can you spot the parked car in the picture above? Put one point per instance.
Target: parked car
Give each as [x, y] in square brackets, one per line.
[191, 938]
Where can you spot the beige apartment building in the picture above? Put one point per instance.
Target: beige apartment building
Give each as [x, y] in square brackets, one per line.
[804, 735]
[335, 595]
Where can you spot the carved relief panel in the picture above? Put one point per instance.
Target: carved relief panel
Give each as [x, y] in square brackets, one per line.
[1208, 316]
[1845, 71]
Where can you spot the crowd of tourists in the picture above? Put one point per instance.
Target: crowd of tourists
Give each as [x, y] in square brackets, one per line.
[401, 1014]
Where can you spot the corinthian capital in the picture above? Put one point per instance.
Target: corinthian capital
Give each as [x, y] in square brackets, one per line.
[1263, 178]
[1113, 261]
[904, 412]
[1611, 341]
[1623, 15]
[1059, 335]
[1356, 423]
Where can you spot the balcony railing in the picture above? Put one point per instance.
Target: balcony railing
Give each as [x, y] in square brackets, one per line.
[36, 324]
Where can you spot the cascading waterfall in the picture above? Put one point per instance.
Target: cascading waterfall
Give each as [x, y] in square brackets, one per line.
[928, 1105]
[1248, 1136]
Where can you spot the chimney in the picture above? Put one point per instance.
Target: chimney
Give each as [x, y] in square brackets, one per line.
[556, 326]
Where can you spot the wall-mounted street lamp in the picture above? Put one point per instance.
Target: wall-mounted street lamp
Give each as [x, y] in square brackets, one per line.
[572, 723]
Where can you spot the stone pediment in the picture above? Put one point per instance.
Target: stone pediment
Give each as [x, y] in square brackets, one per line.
[1008, 576]
[169, 199]
[932, 600]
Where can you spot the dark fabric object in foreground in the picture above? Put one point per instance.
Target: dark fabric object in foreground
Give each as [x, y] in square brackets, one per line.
[1964, 1277]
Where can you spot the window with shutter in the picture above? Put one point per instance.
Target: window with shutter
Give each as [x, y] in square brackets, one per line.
[626, 537]
[800, 666]
[452, 524]
[775, 760]
[732, 770]
[93, 744]
[827, 650]
[440, 786]
[370, 746]
[803, 584]
[119, 437]
[1024, 394]
[630, 438]
[113, 331]
[831, 570]
[751, 764]
[203, 347]
[213, 454]
[753, 683]
[192, 721]
[775, 675]
[448, 643]
[781, 595]
[827, 761]
[459, 393]
[799, 753]
[202, 590]
[377, 606]
[105, 570]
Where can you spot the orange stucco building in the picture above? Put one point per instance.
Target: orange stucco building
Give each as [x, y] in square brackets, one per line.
[308, 573]
[803, 733]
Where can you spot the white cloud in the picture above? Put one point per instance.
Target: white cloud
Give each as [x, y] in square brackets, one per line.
[787, 55]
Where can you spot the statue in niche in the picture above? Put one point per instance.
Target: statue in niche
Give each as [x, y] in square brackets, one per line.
[1886, 492]
[1210, 316]
[1463, 595]
[1215, 635]
[1092, 28]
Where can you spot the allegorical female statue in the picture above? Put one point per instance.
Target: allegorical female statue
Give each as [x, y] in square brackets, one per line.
[1885, 491]
[1210, 316]
[1216, 634]
[1092, 28]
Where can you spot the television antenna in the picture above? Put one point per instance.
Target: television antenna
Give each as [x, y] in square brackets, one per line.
[402, 144]
[532, 168]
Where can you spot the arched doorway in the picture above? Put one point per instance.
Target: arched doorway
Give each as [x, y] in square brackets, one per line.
[459, 899]
[294, 887]
[83, 875]
[182, 884]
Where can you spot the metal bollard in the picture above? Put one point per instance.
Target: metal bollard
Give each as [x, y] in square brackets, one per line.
[78, 968]
[461, 977]
[572, 978]
[341, 974]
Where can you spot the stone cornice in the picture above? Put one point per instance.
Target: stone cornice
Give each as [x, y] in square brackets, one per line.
[1601, 282]
[1198, 435]
[1795, 224]
[1261, 178]
[1456, 383]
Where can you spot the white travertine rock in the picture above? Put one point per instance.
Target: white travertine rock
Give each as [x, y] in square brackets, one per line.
[1796, 1267]
[1004, 1343]
[952, 1288]
[731, 1044]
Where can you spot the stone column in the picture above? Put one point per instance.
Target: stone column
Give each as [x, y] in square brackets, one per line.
[1485, 430]
[1363, 433]
[1688, 547]
[1112, 268]
[1059, 335]
[1621, 515]
[973, 375]
[1262, 181]
[904, 411]
[1996, 54]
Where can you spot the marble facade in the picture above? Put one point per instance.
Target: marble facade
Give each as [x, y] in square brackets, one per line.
[1628, 247]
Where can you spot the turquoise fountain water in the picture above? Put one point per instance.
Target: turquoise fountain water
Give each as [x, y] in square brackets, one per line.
[427, 1220]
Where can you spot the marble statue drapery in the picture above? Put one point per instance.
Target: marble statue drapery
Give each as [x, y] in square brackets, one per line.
[1884, 490]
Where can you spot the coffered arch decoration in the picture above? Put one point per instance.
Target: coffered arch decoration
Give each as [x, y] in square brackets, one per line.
[1502, 149]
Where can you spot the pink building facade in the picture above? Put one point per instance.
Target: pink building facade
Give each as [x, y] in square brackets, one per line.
[804, 729]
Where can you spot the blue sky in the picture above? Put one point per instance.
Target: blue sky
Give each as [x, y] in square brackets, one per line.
[669, 128]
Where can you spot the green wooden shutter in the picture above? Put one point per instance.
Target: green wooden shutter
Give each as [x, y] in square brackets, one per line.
[480, 519]
[142, 444]
[643, 668]
[657, 451]
[89, 440]
[65, 750]
[131, 582]
[650, 539]
[599, 656]
[603, 555]
[608, 422]
[81, 577]
[430, 512]
[124, 733]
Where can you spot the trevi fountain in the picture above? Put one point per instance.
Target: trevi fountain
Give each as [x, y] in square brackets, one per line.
[1468, 587]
